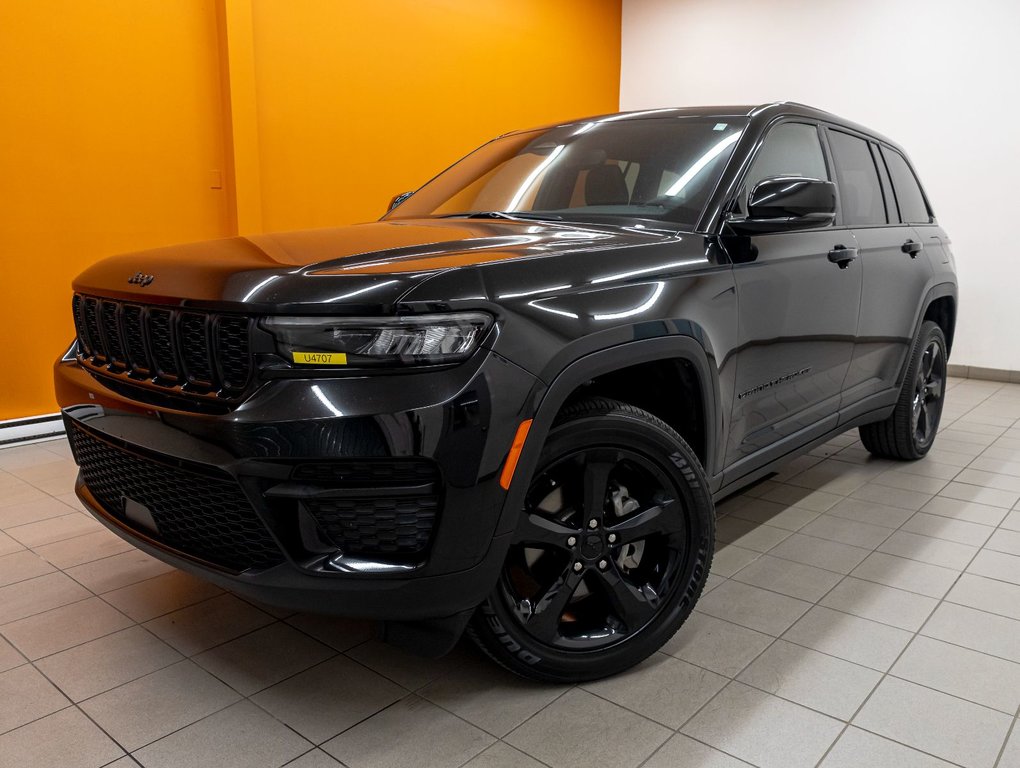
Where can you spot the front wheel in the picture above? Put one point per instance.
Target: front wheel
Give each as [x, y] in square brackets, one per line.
[611, 551]
[910, 430]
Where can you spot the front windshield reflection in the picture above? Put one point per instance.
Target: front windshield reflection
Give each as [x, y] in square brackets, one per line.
[661, 168]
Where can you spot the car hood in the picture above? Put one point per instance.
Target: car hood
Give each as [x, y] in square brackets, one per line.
[353, 268]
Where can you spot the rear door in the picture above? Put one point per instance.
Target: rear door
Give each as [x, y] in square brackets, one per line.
[894, 277]
[797, 313]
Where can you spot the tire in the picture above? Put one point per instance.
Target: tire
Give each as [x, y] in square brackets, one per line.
[591, 589]
[910, 430]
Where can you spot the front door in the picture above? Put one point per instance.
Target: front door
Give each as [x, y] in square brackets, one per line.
[798, 312]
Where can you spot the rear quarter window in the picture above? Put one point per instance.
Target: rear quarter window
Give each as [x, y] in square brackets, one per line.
[909, 198]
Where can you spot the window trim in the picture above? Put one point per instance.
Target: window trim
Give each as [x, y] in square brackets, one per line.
[892, 205]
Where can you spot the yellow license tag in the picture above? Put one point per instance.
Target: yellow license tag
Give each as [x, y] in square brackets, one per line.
[319, 358]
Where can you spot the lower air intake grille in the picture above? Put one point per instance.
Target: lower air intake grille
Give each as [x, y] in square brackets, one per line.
[205, 515]
[377, 526]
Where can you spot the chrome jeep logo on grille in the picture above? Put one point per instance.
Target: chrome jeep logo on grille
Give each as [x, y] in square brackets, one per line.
[140, 279]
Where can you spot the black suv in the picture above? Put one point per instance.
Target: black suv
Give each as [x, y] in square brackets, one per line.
[509, 404]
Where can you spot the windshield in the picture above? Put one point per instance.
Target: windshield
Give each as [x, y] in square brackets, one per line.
[658, 168]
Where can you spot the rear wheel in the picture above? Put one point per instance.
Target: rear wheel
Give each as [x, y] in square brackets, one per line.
[911, 429]
[611, 552]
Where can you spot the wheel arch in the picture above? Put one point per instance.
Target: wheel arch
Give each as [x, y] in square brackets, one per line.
[685, 350]
[939, 306]
[942, 311]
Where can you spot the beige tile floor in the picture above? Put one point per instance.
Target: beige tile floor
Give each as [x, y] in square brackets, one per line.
[860, 613]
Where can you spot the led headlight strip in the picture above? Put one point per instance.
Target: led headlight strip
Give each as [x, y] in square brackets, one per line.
[367, 341]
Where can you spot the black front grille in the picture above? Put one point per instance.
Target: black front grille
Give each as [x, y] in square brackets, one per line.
[205, 354]
[374, 507]
[134, 338]
[201, 513]
[162, 343]
[195, 347]
[233, 351]
[111, 332]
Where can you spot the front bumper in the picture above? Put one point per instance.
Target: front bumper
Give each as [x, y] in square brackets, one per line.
[251, 511]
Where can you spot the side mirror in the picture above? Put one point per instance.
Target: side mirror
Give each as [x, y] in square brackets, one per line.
[398, 199]
[784, 203]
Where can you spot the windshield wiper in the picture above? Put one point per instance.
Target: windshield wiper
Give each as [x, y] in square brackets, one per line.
[503, 215]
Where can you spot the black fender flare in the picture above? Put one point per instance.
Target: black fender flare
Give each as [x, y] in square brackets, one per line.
[550, 400]
[937, 291]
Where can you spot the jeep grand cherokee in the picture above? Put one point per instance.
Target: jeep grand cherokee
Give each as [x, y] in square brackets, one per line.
[510, 403]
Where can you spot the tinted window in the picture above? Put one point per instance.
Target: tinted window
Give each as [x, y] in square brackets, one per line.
[790, 149]
[657, 168]
[908, 193]
[859, 192]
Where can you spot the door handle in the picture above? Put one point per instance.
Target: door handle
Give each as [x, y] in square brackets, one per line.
[842, 255]
[912, 248]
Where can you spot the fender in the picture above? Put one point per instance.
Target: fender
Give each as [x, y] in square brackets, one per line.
[550, 400]
[937, 291]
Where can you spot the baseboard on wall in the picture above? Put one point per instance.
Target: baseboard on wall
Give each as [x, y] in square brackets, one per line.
[27, 430]
[985, 374]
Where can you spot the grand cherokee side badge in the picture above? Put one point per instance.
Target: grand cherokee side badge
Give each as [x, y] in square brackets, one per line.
[774, 382]
[141, 280]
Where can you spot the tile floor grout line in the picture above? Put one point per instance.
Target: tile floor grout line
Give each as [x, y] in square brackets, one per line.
[517, 749]
[103, 597]
[840, 573]
[76, 645]
[1013, 729]
[570, 688]
[996, 579]
[333, 655]
[490, 746]
[699, 741]
[885, 675]
[414, 692]
[47, 610]
[743, 669]
[181, 728]
[956, 696]
[887, 672]
[77, 706]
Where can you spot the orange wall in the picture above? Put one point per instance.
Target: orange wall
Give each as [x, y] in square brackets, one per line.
[360, 101]
[117, 113]
[111, 127]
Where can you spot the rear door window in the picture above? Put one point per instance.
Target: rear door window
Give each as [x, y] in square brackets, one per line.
[909, 197]
[860, 193]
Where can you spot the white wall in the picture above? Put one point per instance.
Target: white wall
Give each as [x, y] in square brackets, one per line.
[938, 76]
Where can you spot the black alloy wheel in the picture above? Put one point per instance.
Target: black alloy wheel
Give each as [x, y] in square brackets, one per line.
[909, 432]
[610, 552]
[597, 550]
[928, 391]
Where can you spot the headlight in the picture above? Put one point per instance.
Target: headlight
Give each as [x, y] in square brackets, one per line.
[365, 341]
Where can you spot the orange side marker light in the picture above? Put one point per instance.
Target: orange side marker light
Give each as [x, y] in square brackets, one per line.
[515, 453]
